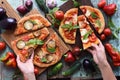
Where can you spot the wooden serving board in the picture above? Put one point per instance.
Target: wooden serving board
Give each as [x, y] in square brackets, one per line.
[8, 35]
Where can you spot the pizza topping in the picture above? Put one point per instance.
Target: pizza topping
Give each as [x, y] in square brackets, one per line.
[88, 13]
[83, 10]
[20, 44]
[83, 32]
[92, 37]
[98, 22]
[85, 37]
[70, 34]
[34, 22]
[94, 15]
[49, 58]
[28, 25]
[37, 33]
[85, 40]
[35, 42]
[51, 46]
[44, 60]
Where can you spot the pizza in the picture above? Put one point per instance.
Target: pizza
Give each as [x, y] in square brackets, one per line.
[49, 53]
[87, 34]
[68, 26]
[31, 23]
[22, 45]
[95, 16]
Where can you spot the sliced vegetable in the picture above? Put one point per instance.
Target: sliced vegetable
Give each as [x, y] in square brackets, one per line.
[37, 33]
[42, 5]
[49, 58]
[55, 69]
[28, 25]
[87, 35]
[98, 22]
[33, 22]
[35, 42]
[20, 44]
[72, 69]
[51, 44]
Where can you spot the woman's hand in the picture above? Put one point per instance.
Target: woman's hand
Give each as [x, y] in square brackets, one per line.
[98, 53]
[27, 68]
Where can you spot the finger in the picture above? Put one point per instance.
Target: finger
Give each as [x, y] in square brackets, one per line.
[18, 59]
[32, 55]
[100, 44]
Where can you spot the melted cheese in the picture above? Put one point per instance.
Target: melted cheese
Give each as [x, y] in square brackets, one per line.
[83, 32]
[88, 13]
[85, 40]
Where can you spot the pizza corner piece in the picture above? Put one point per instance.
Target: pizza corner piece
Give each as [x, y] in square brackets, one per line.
[31, 23]
[69, 26]
[49, 54]
[88, 36]
[22, 45]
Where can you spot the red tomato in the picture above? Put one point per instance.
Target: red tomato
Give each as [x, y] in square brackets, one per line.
[102, 3]
[92, 38]
[69, 57]
[76, 50]
[59, 15]
[102, 37]
[24, 51]
[2, 46]
[107, 32]
[36, 71]
[110, 9]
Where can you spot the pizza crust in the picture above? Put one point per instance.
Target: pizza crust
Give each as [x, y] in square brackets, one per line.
[20, 25]
[100, 15]
[68, 14]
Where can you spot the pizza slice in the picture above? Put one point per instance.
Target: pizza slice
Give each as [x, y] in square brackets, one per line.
[68, 26]
[31, 23]
[49, 54]
[87, 35]
[22, 46]
[95, 16]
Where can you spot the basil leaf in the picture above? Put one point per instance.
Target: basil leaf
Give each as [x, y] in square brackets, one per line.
[43, 60]
[53, 10]
[98, 23]
[87, 34]
[51, 50]
[35, 42]
[75, 3]
[66, 26]
[76, 27]
[94, 15]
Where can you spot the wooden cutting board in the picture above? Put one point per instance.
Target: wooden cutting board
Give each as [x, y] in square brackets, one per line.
[8, 35]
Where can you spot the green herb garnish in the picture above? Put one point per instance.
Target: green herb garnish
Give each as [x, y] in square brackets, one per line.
[87, 34]
[35, 42]
[43, 60]
[94, 15]
[33, 22]
[51, 50]
[70, 26]
[98, 23]
[75, 3]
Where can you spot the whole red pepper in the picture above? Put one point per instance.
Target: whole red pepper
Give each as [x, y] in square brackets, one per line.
[110, 9]
[7, 56]
[102, 3]
[69, 57]
[11, 62]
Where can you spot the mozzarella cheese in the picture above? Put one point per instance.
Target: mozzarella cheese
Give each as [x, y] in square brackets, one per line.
[83, 32]
[85, 40]
[88, 13]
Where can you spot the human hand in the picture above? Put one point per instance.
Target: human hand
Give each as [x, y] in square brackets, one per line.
[27, 68]
[99, 56]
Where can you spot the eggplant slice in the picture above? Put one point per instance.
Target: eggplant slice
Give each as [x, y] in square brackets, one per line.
[28, 25]
[37, 33]
[20, 44]
[51, 44]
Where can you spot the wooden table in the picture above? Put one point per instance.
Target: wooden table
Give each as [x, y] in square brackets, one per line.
[6, 73]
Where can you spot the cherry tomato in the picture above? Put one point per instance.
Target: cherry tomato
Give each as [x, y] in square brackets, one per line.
[69, 57]
[102, 3]
[102, 37]
[2, 46]
[59, 15]
[36, 71]
[107, 32]
[76, 50]
[92, 38]
[24, 51]
[110, 9]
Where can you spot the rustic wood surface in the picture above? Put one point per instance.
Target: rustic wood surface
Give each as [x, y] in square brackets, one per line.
[6, 73]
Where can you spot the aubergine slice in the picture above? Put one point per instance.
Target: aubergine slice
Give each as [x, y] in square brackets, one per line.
[20, 44]
[28, 25]
[49, 58]
[51, 46]
[37, 33]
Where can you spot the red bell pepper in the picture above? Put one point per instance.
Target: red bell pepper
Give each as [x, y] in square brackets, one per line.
[7, 56]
